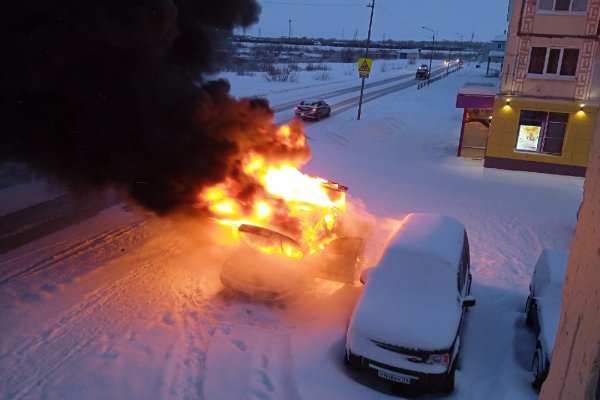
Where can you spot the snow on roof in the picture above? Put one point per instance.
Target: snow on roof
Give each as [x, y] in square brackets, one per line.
[499, 38]
[478, 89]
[496, 53]
[435, 234]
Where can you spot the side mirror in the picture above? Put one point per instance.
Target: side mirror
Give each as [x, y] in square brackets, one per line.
[468, 301]
[364, 276]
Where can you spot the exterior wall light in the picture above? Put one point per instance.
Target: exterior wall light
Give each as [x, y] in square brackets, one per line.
[581, 107]
[508, 102]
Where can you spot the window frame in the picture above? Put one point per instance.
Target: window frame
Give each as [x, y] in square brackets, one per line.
[559, 63]
[547, 124]
[554, 10]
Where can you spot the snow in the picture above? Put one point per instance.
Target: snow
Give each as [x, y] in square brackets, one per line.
[396, 294]
[434, 234]
[128, 306]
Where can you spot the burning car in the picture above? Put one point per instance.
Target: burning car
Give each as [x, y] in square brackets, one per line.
[266, 265]
[283, 221]
[271, 266]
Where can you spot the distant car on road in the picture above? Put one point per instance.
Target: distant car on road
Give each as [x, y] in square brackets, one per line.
[312, 109]
[422, 72]
[542, 308]
[406, 327]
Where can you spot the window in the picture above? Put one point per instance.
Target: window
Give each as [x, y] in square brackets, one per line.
[542, 132]
[562, 5]
[553, 61]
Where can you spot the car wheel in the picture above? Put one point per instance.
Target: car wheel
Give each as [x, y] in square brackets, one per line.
[318, 117]
[529, 310]
[449, 386]
[329, 113]
[539, 369]
[348, 363]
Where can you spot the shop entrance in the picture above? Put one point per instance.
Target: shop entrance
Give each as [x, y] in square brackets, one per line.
[477, 100]
[475, 132]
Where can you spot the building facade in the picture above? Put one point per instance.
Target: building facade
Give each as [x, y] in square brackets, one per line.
[544, 115]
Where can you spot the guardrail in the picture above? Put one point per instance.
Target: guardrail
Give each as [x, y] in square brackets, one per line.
[437, 78]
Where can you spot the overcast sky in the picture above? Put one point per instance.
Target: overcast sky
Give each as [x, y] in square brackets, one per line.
[392, 19]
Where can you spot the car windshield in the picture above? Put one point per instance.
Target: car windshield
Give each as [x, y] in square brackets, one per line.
[309, 102]
[269, 241]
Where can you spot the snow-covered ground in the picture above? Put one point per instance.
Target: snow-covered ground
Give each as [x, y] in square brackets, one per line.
[128, 306]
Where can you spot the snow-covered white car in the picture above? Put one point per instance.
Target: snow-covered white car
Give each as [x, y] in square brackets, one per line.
[542, 308]
[269, 265]
[406, 326]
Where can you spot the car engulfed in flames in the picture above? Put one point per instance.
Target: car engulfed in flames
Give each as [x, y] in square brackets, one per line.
[292, 228]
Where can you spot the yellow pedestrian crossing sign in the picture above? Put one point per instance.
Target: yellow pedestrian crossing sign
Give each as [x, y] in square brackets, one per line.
[364, 67]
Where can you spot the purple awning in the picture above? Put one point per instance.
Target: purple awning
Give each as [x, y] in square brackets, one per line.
[476, 96]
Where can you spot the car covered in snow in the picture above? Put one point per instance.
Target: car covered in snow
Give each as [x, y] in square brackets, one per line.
[271, 266]
[542, 308]
[406, 326]
[422, 72]
[312, 109]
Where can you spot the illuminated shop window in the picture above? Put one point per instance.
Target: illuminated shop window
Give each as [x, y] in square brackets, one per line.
[542, 132]
[553, 61]
[562, 5]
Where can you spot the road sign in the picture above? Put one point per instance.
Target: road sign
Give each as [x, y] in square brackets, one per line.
[361, 75]
[364, 66]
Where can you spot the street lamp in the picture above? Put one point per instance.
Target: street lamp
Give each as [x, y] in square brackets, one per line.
[432, 48]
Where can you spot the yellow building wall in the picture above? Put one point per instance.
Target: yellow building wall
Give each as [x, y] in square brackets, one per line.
[505, 125]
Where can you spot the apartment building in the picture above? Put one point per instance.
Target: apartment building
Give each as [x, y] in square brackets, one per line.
[544, 115]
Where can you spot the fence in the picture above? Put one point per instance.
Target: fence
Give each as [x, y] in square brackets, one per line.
[437, 78]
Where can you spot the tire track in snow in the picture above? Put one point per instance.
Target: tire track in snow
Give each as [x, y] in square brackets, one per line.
[75, 250]
[80, 330]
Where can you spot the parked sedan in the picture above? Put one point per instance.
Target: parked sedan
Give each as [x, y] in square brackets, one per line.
[312, 109]
[406, 327]
[542, 308]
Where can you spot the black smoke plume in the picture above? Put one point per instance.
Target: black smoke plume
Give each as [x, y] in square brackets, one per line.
[113, 93]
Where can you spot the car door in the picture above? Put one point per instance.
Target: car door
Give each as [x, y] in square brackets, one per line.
[339, 260]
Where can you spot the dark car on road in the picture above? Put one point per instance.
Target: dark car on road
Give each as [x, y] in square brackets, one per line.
[407, 325]
[312, 109]
[422, 72]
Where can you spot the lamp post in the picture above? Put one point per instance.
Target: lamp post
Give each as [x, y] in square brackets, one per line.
[432, 48]
[362, 86]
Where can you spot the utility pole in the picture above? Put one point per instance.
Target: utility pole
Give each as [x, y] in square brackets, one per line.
[461, 45]
[432, 49]
[362, 85]
[290, 29]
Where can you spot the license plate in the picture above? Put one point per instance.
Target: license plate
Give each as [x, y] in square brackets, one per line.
[393, 377]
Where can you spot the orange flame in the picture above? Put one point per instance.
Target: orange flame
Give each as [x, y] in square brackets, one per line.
[301, 206]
